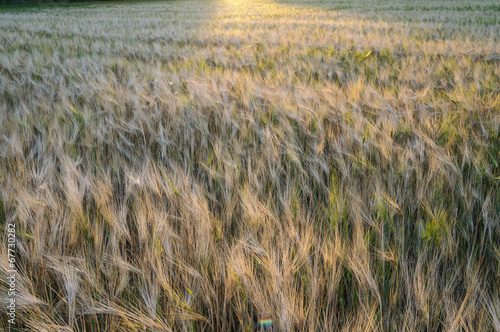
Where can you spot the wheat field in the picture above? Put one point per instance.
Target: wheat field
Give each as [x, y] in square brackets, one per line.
[212, 165]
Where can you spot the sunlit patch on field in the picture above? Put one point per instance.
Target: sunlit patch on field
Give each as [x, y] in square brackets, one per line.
[247, 165]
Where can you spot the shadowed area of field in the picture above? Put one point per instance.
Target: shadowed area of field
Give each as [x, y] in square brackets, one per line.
[230, 165]
[463, 13]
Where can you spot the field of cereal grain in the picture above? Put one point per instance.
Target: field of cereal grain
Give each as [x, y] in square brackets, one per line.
[212, 165]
